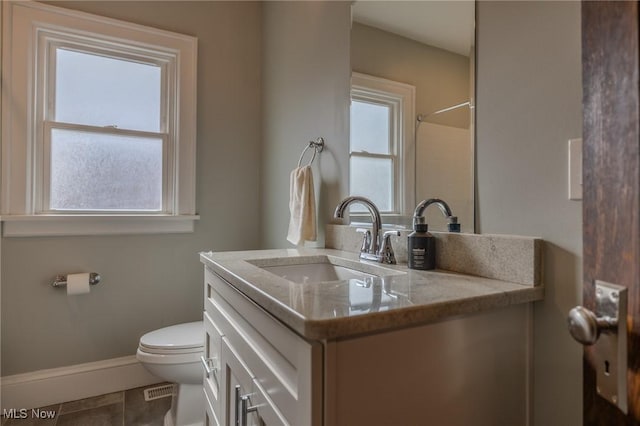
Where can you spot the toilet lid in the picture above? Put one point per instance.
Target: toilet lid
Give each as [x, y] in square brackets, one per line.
[175, 337]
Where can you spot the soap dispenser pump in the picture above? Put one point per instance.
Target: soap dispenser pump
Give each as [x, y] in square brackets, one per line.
[421, 248]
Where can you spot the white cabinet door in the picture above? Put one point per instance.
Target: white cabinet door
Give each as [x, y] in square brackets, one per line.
[245, 402]
[210, 416]
[237, 390]
[213, 346]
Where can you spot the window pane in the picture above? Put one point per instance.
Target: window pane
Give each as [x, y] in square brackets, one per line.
[370, 127]
[105, 172]
[100, 91]
[372, 178]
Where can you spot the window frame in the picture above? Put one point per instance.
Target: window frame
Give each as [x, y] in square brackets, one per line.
[394, 137]
[400, 97]
[36, 29]
[48, 44]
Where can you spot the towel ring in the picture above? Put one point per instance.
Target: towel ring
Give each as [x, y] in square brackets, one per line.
[317, 145]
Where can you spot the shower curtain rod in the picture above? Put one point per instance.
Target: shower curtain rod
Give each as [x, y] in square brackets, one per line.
[421, 117]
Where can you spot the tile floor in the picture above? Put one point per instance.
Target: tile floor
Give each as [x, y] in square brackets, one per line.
[126, 408]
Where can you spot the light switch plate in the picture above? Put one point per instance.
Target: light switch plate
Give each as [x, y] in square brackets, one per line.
[575, 169]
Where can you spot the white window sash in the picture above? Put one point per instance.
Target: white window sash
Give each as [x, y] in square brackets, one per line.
[395, 110]
[401, 99]
[394, 192]
[49, 42]
[42, 190]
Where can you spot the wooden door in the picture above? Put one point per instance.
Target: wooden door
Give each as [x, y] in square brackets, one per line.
[611, 164]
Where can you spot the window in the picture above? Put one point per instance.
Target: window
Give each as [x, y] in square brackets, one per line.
[98, 124]
[104, 133]
[380, 163]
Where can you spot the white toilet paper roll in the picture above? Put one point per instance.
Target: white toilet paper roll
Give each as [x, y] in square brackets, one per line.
[77, 284]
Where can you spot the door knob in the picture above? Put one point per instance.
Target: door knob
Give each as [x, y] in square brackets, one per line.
[604, 332]
[586, 327]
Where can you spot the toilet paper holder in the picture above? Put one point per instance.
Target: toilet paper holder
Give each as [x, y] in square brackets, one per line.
[61, 280]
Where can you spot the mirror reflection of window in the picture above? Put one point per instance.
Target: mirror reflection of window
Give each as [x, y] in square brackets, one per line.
[373, 154]
[381, 134]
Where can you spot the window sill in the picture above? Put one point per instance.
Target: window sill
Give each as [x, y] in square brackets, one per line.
[66, 225]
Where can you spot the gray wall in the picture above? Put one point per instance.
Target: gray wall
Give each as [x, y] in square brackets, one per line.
[306, 92]
[149, 281]
[528, 106]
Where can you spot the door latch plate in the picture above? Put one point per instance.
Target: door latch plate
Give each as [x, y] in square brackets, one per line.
[609, 353]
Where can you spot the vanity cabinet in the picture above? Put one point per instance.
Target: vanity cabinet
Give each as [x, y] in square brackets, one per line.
[455, 370]
[262, 373]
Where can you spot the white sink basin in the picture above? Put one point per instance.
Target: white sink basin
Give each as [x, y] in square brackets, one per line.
[315, 272]
[321, 268]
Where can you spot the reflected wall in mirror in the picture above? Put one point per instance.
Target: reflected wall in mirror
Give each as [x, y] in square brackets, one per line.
[425, 149]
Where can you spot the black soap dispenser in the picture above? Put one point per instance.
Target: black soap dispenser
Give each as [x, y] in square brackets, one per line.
[422, 246]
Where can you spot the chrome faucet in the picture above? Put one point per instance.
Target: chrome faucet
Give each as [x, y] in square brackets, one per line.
[373, 247]
[452, 221]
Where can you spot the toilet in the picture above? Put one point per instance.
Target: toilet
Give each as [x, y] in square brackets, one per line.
[173, 354]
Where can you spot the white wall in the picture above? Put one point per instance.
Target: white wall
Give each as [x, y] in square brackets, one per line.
[149, 281]
[306, 86]
[529, 96]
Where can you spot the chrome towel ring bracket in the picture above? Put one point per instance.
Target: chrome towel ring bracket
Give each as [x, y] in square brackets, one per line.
[317, 145]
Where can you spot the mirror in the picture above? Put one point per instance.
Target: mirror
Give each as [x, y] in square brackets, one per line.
[428, 48]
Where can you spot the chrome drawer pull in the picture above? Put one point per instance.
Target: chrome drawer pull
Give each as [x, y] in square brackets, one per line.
[242, 407]
[237, 405]
[209, 369]
[246, 409]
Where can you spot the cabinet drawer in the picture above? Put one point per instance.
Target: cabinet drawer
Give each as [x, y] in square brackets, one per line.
[282, 364]
[213, 346]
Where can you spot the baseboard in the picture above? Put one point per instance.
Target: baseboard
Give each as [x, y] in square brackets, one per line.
[53, 386]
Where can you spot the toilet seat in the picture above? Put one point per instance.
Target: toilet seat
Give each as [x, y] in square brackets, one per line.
[181, 339]
[172, 358]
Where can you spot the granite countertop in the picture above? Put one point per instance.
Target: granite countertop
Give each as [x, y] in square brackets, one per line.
[401, 298]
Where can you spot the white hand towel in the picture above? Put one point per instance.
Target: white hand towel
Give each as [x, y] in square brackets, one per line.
[302, 206]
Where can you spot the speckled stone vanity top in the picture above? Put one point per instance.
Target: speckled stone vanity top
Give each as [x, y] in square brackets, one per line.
[337, 309]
